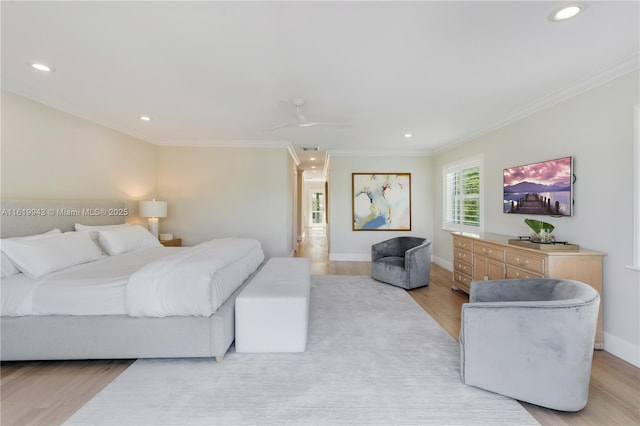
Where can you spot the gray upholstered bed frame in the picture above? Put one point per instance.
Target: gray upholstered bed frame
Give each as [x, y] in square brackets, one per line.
[102, 337]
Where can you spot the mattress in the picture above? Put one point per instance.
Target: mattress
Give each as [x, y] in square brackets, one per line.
[100, 287]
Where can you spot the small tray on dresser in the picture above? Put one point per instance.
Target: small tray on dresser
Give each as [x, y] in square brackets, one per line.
[544, 246]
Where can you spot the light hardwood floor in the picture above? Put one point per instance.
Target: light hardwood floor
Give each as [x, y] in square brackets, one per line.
[47, 393]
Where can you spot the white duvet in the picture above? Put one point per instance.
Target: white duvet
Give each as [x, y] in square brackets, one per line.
[191, 282]
[157, 282]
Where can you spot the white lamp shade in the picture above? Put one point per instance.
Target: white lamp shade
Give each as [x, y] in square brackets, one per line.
[153, 208]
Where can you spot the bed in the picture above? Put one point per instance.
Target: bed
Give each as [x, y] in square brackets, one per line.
[108, 307]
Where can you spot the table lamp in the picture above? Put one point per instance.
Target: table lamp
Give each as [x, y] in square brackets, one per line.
[153, 210]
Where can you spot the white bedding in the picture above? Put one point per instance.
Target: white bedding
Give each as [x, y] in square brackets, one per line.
[192, 282]
[103, 287]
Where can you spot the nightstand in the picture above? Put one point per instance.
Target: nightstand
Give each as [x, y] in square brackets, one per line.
[176, 242]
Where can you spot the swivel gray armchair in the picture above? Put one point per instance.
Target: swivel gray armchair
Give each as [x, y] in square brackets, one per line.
[402, 261]
[530, 339]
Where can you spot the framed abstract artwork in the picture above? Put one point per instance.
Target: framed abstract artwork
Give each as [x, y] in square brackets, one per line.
[381, 201]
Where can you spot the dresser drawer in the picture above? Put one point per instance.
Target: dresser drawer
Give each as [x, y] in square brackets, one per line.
[513, 273]
[462, 255]
[463, 281]
[462, 243]
[526, 261]
[492, 252]
[462, 267]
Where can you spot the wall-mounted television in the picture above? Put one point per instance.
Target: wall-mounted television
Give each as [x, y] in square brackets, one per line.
[544, 188]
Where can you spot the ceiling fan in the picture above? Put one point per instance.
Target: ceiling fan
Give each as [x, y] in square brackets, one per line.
[302, 120]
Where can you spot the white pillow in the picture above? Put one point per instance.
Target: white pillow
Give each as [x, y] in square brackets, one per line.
[122, 240]
[7, 268]
[37, 257]
[94, 229]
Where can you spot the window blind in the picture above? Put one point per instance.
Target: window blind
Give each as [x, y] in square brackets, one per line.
[462, 196]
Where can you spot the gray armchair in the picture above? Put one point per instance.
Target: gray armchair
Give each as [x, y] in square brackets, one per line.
[531, 340]
[402, 261]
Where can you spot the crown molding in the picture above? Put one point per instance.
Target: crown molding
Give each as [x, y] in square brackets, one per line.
[327, 162]
[292, 153]
[623, 67]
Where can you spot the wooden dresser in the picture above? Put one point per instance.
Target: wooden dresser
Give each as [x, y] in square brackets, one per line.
[487, 256]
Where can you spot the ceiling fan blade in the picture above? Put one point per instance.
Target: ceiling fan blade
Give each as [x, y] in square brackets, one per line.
[282, 126]
[332, 124]
[297, 103]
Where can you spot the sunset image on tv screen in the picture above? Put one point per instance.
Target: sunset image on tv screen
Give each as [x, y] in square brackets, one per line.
[539, 188]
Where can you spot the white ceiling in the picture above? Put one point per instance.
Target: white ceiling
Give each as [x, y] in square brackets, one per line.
[215, 72]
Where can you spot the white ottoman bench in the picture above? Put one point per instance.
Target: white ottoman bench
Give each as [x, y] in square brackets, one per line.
[272, 312]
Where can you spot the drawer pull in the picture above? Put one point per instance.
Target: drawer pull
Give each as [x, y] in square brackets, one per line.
[525, 276]
[526, 261]
[484, 250]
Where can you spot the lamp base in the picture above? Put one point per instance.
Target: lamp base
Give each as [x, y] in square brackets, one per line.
[153, 226]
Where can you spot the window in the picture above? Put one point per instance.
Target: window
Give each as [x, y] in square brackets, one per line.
[462, 195]
[317, 208]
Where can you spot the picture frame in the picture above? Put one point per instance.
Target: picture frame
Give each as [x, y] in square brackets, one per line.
[381, 201]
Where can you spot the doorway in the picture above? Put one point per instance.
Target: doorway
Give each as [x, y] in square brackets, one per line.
[317, 208]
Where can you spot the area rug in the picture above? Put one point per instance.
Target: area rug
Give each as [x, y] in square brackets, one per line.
[374, 357]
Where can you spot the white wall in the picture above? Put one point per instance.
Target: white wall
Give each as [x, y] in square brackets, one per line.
[217, 192]
[346, 244]
[211, 192]
[596, 128]
[47, 153]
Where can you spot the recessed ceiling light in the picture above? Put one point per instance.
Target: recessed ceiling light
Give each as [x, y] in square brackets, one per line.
[313, 167]
[565, 13]
[408, 135]
[145, 118]
[312, 158]
[41, 67]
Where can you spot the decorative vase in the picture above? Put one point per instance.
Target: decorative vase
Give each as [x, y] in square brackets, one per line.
[541, 232]
[548, 237]
[544, 236]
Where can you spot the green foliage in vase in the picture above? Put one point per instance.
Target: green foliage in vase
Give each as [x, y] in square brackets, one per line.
[537, 225]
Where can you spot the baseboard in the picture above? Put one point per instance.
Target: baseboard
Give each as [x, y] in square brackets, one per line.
[442, 262]
[350, 257]
[622, 349]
